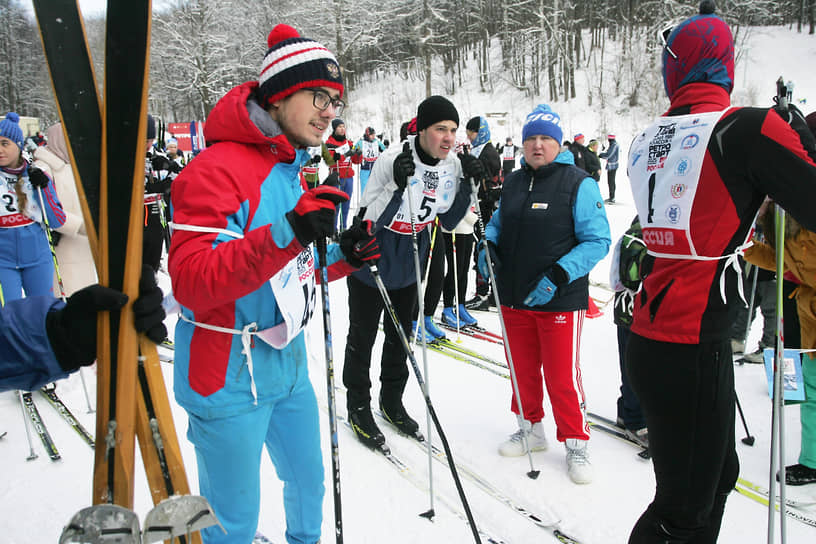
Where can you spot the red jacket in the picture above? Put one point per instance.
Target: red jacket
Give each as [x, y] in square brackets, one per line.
[343, 165]
[752, 152]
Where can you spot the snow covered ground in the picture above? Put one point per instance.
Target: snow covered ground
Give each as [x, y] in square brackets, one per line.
[38, 497]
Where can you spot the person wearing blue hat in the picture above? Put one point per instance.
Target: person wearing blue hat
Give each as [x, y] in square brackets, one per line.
[549, 231]
[29, 201]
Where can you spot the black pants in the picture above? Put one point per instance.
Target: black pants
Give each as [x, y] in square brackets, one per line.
[610, 179]
[436, 275]
[628, 404]
[365, 307]
[464, 246]
[153, 236]
[686, 392]
[482, 284]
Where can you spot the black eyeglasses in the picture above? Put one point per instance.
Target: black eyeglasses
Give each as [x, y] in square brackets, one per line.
[322, 100]
[663, 36]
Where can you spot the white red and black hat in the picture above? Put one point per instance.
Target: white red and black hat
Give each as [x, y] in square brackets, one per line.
[293, 63]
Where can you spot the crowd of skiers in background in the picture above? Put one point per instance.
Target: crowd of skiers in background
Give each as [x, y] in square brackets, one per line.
[534, 215]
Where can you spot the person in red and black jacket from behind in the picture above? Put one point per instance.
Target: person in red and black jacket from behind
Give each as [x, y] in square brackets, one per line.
[699, 174]
[341, 149]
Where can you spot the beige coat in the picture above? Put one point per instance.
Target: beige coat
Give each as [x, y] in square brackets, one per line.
[73, 251]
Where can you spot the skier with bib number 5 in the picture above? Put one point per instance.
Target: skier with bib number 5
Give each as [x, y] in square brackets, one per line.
[699, 174]
[424, 170]
[243, 265]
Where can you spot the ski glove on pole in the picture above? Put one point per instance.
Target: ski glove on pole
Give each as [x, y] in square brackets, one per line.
[796, 119]
[37, 177]
[313, 215]
[404, 167]
[147, 309]
[481, 262]
[359, 245]
[545, 289]
[71, 330]
[473, 168]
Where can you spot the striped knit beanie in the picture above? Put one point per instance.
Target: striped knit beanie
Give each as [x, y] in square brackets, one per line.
[293, 63]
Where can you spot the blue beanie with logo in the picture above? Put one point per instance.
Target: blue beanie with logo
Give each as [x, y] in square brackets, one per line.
[542, 122]
[10, 128]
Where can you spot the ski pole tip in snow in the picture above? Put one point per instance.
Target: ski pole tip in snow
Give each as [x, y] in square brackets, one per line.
[533, 474]
[429, 515]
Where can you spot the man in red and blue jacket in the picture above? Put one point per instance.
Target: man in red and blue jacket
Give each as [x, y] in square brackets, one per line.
[242, 265]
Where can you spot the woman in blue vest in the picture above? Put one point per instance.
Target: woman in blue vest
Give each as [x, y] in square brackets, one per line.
[27, 193]
[549, 231]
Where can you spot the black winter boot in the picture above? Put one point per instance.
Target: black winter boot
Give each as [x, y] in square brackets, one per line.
[799, 475]
[362, 422]
[395, 413]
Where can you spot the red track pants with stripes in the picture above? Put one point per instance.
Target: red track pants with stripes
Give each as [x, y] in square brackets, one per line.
[548, 343]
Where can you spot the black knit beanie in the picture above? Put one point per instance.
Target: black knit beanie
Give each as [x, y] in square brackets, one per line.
[473, 124]
[435, 109]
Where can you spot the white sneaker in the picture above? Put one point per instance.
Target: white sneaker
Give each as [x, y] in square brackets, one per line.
[578, 466]
[536, 441]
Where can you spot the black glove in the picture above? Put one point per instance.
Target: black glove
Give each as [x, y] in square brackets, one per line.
[472, 168]
[313, 215]
[56, 236]
[72, 330]
[404, 167]
[796, 119]
[147, 309]
[336, 156]
[160, 162]
[358, 243]
[332, 180]
[315, 160]
[38, 178]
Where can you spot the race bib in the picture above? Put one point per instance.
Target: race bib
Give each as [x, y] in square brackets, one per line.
[294, 289]
[431, 190]
[10, 213]
[509, 153]
[371, 150]
[665, 163]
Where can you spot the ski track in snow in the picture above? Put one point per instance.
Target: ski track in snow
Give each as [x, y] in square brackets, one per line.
[39, 497]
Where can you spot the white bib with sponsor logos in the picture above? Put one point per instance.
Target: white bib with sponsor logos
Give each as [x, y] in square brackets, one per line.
[10, 213]
[665, 163]
[294, 288]
[509, 152]
[371, 150]
[432, 190]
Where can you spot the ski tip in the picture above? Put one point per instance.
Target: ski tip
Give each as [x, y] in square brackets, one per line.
[429, 515]
[533, 474]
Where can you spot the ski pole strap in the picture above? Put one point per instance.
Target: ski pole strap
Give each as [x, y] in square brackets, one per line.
[731, 261]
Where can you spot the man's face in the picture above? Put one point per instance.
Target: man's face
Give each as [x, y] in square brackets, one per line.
[301, 122]
[149, 144]
[438, 139]
[509, 141]
[471, 135]
[580, 140]
[340, 130]
[540, 151]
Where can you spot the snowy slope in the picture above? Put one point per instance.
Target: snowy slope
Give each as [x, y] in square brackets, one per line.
[38, 497]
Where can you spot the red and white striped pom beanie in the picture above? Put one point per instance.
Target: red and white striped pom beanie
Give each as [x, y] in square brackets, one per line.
[293, 63]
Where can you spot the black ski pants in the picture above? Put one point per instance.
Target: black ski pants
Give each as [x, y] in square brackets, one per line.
[457, 283]
[686, 392]
[365, 307]
[153, 236]
[610, 180]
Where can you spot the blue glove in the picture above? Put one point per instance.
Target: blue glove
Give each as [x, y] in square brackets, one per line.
[541, 293]
[481, 261]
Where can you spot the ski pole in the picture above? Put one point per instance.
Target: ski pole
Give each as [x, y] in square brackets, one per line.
[421, 320]
[749, 439]
[327, 337]
[389, 307]
[533, 474]
[47, 229]
[750, 315]
[456, 287]
[777, 414]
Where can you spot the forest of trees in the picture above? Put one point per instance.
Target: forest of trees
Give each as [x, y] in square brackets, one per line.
[201, 48]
